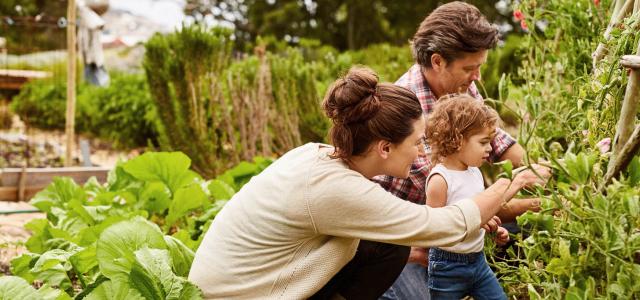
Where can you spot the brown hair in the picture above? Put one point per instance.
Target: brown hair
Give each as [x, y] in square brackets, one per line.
[454, 119]
[452, 30]
[363, 111]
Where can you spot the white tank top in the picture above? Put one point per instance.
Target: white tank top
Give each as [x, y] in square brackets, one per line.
[462, 185]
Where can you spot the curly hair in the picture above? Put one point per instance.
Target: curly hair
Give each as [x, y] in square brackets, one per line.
[454, 119]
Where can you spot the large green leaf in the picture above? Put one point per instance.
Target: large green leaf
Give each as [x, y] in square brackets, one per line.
[185, 200]
[181, 255]
[153, 277]
[114, 290]
[12, 288]
[171, 168]
[220, 190]
[116, 245]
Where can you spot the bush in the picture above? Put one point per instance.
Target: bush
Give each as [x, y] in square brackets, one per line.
[122, 112]
[42, 104]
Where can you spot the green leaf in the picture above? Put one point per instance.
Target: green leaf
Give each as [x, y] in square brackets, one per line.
[171, 168]
[114, 290]
[153, 277]
[185, 200]
[51, 268]
[12, 287]
[557, 266]
[575, 293]
[507, 167]
[84, 260]
[633, 171]
[21, 265]
[220, 190]
[155, 197]
[151, 272]
[181, 256]
[116, 245]
[59, 192]
[41, 234]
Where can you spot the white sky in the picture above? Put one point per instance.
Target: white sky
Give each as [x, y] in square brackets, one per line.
[166, 12]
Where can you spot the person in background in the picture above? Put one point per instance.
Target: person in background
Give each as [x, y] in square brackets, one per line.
[449, 47]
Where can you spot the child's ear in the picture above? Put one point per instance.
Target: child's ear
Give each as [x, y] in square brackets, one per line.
[383, 148]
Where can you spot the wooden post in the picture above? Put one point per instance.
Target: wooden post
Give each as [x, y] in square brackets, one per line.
[71, 82]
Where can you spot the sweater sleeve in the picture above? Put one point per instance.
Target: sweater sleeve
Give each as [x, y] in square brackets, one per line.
[358, 208]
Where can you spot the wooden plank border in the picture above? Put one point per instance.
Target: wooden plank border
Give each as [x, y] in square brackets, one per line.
[36, 179]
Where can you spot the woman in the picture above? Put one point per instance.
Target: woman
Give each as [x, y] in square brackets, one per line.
[292, 231]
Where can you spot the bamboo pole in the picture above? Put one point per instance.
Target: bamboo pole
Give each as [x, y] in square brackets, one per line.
[616, 17]
[71, 82]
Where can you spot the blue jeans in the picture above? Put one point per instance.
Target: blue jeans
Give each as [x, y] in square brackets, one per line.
[409, 285]
[454, 276]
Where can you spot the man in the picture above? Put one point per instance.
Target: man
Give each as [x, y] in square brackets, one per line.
[449, 48]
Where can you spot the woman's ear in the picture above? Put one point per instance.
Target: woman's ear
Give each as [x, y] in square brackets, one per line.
[383, 148]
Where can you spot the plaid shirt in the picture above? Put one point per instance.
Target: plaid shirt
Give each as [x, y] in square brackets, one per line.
[413, 188]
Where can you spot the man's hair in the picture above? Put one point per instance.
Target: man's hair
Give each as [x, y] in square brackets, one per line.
[453, 30]
[363, 111]
[454, 119]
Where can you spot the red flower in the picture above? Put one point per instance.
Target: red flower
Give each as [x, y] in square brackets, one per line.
[523, 25]
[518, 15]
[596, 2]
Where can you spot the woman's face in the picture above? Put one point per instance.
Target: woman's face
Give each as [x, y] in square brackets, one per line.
[402, 155]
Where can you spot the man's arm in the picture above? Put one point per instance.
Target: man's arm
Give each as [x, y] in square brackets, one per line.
[517, 207]
[515, 154]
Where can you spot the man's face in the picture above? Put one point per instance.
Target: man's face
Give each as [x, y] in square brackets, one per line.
[457, 76]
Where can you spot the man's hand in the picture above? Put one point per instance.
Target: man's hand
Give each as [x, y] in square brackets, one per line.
[502, 236]
[493, 224]
[418, 256]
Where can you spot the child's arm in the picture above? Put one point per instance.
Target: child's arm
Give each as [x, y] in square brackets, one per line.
[436, 191]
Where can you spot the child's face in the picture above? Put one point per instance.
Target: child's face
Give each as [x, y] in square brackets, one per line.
[475, 149]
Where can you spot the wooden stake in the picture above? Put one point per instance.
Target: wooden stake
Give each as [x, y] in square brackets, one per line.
[71, 82]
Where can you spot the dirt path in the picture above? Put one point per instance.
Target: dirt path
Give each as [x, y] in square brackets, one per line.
[13, 235]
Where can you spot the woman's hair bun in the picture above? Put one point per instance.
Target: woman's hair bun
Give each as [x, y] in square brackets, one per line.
[353, 98]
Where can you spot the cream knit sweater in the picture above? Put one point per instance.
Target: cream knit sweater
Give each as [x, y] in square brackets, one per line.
[294, 226]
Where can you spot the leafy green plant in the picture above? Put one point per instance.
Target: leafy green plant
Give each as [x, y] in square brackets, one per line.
[132, 238]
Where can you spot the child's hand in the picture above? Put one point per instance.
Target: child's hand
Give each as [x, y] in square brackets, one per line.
[493, 224]
[502, 236]
[529, 177]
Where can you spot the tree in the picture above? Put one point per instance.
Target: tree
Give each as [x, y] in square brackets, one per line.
[350, 24]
